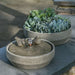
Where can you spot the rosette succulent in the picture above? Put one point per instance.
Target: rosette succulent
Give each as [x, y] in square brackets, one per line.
[59, 24]
[46, 21]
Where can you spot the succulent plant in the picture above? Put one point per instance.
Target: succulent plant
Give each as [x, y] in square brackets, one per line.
[59, 24]
[46, 21]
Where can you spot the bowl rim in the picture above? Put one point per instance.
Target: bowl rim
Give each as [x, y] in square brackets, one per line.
[47, 33]
[52, 50]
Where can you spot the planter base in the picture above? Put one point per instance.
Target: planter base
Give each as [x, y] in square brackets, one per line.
[60, 42]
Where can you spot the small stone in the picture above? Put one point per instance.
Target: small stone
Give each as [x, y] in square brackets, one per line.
[72, 71]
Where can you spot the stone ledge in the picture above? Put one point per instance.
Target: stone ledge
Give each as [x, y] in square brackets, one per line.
[64, 2]
[70, 10]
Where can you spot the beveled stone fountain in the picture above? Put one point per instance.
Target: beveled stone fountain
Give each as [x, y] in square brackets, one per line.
[30, 53]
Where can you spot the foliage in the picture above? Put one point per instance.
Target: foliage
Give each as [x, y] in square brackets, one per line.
[46, 21]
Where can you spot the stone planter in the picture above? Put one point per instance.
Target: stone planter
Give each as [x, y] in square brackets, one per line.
[30, 62]
[57, 38]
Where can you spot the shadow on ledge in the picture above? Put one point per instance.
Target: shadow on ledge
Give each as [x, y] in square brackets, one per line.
[11, 23]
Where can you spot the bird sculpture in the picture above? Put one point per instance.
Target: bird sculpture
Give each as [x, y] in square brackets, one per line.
[27, 42]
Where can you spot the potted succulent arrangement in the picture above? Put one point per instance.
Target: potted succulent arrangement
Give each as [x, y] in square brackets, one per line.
[30, 53]
[47, 25]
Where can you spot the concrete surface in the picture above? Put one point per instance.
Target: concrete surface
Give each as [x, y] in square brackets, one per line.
[11, 22]
[9, 70]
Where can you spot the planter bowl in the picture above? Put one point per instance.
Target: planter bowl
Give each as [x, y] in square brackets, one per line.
[56, 38]
[30, 62]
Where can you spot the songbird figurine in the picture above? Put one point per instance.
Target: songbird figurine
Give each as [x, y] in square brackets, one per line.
[36, 41]
[27, 42]
[30, 42]
[20, 42]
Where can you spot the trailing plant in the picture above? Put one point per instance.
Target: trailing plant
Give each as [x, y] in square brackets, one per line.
[46, 21]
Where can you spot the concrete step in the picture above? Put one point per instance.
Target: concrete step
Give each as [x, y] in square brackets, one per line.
[25, 6]
[70, 10]
[64, 2]
[8, 33]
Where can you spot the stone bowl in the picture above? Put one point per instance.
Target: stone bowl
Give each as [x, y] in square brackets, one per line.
[56, 38]
[30, 62]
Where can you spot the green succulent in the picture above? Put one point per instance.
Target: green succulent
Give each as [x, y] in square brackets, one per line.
[46, 21]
